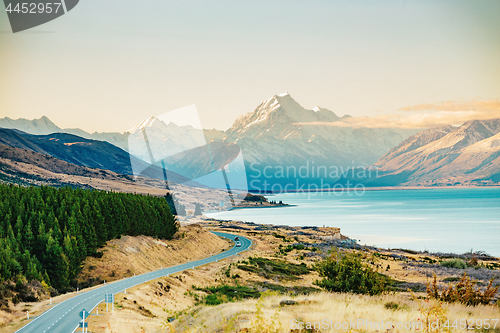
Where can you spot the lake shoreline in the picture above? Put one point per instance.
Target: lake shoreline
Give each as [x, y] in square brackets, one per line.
[379, 188]
[438, 220]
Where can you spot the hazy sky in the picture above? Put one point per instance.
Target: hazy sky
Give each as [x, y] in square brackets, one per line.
[108, 64]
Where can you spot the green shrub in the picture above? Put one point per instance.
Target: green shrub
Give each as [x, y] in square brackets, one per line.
[492, 266]
[227, 272]
[454, 263]
[212, 300]
[345, 272]
[224, 293]
[429, 260]
[275, 268]
[290, 248]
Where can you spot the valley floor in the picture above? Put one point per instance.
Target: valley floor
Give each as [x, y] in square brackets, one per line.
[178, 303]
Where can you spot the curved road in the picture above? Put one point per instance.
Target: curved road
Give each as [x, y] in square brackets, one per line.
[64, 318]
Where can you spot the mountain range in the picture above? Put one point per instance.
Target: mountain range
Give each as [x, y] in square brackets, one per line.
[276, 140]
[44, 126]
[276, 134]
[468, 155]
[447, 155]
[83, 152]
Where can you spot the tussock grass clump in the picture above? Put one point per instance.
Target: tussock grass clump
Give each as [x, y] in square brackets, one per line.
[394, 306]
[454, 263]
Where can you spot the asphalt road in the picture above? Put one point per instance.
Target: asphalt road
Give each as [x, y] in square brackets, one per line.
[64, 318]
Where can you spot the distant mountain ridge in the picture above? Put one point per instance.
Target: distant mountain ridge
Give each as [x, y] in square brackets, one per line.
[168, 135]
[468, 154]
[83, 152]
[40, 126]
[44, 126]
[277, 134]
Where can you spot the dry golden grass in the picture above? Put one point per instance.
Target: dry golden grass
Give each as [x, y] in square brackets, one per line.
[334, 307]
[146, 307]
[144, 254]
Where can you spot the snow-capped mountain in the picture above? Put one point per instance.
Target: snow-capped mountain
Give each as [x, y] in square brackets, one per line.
[42, 126]
[416, 141]
[445, 156]
[164, 139]
[280, 132]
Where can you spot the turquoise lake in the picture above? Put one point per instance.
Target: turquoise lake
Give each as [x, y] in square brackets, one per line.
[436, 220]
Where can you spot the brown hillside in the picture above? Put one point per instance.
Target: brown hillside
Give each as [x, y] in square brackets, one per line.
[145, 254]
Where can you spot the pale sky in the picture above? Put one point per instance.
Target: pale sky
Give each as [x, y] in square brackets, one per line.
[109, 64]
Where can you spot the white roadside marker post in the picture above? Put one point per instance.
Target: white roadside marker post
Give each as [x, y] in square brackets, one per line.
[28, 314]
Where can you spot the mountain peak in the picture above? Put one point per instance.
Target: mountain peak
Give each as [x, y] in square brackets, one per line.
[283, 100]
[150, 122]
[46, 121]
[277, 115]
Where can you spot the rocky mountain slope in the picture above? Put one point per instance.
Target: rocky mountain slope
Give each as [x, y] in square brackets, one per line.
[468, 154]
[166, 139]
